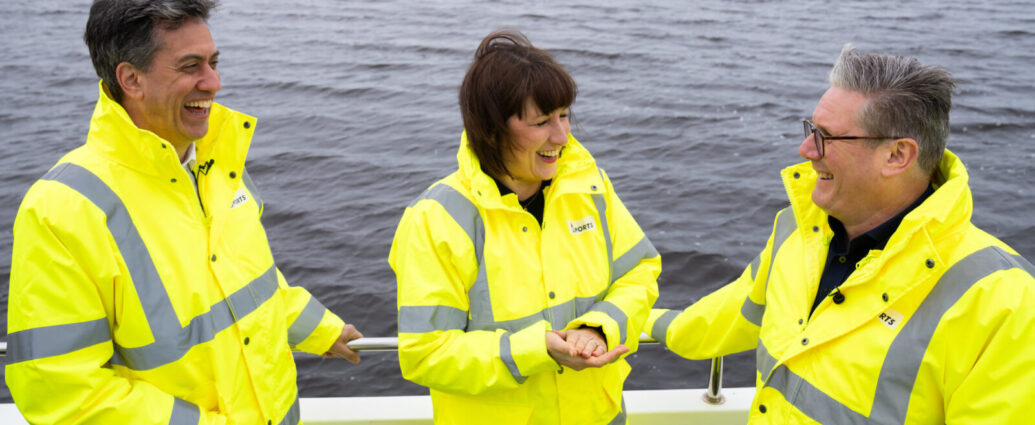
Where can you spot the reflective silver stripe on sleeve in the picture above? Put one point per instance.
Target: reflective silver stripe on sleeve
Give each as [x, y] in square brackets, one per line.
[905, 355]
[56, 340]
[508, 358]
[752, 312]
[184, 413]
[616, 314]
[171, 340]
[660, 329]
[764, 361]
[306, 322]
[430, 318]
[250, 185]
[641, 251]
[293, 414]
[755, 264]
[785, 226]
[601, 204]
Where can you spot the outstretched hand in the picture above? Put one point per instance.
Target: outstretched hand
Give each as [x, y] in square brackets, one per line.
[565, 353]
[340, 348]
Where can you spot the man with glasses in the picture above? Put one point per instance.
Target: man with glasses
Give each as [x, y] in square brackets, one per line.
[876, 300]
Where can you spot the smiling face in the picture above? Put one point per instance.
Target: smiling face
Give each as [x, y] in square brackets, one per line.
[174, 96]
[849, 174]
[537, 140]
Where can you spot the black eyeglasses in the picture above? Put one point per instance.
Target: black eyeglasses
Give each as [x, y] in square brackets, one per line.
[821, 139]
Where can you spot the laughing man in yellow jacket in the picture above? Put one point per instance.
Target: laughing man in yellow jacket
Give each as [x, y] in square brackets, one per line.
[143, 289]
[875, 300]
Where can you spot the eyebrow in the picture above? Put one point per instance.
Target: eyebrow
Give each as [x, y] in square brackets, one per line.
[194, 56]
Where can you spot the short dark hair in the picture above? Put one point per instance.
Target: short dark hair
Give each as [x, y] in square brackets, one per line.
[904, 99]
[124, 31]
[508, 70]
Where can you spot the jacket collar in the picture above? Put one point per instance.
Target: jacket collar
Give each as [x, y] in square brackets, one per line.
[114, 135]
[926, 230]
[574, 159]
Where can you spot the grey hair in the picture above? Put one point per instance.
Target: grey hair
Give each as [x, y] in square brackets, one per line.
[124, 31]
[905, 99]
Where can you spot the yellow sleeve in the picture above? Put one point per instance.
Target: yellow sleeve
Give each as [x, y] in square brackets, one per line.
[634, 287]
[434, 263]
[59, 341]
[311, 327]
[726, 321]
[990, 379]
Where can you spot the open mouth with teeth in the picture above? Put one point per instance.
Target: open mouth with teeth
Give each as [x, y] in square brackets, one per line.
[824, 176]
[199, 108]
[550, 156]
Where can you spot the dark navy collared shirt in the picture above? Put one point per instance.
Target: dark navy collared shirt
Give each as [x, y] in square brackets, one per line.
[842, 257]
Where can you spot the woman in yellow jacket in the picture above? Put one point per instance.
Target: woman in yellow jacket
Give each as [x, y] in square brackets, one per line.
[521, 276]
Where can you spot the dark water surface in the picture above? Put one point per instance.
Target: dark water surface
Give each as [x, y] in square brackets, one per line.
[692, 107]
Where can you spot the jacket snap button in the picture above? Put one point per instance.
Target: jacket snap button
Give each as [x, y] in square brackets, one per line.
[804, 341]
[524, 229]
[796, 175]
[233, 174]
[246, 340]
[163, 145]
[593, 188]
[930, 263]
[801, 321]
[213, 257]
[815, 228]
[247, 124]
[552, 295]
[884, 297]
[761, 408]
[172, 180]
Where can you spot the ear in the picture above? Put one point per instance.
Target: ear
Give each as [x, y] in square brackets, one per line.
[129, 78]
[899, 156]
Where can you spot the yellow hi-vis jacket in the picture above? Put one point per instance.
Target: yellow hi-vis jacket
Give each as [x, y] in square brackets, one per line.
[480, 283]
[135, 299]
[937, 328]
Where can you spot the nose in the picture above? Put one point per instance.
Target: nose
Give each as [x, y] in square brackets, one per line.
[210, 81]
[559, 129]
[807, 149]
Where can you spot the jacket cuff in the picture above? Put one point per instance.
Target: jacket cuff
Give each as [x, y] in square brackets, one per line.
[324, 336]
[528, 351]
[614, 331]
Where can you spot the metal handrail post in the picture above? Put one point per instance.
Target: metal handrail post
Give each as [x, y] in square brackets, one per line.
[714, 393]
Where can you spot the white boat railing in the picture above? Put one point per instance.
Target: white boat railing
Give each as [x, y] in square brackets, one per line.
[712, 395]
[645, 407]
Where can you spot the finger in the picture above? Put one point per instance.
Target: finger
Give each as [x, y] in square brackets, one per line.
[600, 350]
[581, 344]
[608, 357]
[591, 347]
[351, 356]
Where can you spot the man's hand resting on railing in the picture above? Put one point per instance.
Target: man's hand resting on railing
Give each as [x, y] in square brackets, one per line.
[581, 348]
[340, 349]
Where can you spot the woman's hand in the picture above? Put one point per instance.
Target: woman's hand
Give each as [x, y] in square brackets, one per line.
[588, 342]
[566, 354]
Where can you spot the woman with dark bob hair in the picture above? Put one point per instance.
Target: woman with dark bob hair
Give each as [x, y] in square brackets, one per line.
[522, 279]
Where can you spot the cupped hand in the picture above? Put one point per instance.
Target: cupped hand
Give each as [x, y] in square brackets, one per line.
[566, 354]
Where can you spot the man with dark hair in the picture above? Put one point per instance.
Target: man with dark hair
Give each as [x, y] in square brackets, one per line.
[143, 289]
[876, 300]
